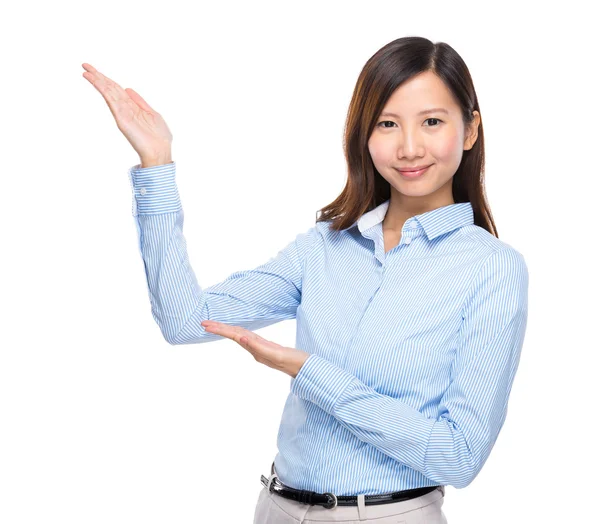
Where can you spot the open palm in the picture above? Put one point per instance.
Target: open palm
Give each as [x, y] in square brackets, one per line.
[143, 127]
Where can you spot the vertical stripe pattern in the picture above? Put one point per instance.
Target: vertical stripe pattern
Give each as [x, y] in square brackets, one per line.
[413, 352]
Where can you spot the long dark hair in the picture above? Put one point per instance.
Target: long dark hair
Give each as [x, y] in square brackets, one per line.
[388, 68]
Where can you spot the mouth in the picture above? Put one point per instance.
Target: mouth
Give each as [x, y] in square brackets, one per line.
[413, 173]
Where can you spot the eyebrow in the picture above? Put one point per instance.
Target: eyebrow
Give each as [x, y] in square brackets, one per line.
[432, 110]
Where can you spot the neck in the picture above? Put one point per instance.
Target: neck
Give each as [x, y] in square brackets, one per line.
[401, 208]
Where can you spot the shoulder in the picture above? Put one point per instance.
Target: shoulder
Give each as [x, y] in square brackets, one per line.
[492, 250]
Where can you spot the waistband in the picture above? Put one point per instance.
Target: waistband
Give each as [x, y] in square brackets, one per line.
[330, 500]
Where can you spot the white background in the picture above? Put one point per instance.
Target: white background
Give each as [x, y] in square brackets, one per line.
[101, 420]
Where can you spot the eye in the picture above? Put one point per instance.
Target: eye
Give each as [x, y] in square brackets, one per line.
[433, 119]
[389, 121]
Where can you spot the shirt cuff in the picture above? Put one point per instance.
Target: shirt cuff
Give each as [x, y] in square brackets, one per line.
[321, 382]
[154, 189]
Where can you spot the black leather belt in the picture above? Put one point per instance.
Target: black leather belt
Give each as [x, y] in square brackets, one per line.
[330, 501]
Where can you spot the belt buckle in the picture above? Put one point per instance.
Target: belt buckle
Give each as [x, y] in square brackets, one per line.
[332, 501]
[272, 480]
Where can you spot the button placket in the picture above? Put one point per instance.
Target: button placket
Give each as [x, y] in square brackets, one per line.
[412, 225]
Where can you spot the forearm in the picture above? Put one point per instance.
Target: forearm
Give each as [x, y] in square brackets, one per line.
[436, 448]
[174, 293]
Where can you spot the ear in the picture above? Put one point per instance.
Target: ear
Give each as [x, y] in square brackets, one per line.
[471, 132]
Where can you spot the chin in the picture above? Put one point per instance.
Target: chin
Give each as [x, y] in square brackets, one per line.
[421, 192]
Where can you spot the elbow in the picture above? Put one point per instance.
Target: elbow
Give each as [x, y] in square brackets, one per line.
[171, 342]
[454, 469]
[200, 336]
[174, 338]
[454, 458]
[466, 473]
[459, 478]
[463, 482]
[189, 332]
[171, 338]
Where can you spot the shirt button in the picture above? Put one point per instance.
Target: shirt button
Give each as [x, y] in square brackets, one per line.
[407, 240]
[143, 191]
[414, 224]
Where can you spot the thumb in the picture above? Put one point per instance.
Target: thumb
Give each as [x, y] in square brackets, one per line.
[139, 100]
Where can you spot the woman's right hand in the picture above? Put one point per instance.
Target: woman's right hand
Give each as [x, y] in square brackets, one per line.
[143, 127]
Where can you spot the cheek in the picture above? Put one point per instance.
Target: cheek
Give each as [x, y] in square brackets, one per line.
[448, 147]
[378, 151]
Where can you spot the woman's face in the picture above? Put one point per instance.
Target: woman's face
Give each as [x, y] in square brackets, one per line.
[410, 135]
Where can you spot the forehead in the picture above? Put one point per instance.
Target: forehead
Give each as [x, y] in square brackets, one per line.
[423, 91]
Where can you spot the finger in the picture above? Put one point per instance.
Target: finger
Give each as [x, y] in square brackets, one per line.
[237, 333]
[225, 330]
[112, 92]
[139, 100]
[107, 87]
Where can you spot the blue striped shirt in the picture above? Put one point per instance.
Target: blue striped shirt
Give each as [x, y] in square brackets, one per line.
[413, 352]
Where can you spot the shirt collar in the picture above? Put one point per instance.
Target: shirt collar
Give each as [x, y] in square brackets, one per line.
[435, 222]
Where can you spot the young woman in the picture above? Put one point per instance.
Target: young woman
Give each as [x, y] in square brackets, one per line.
[411, 313]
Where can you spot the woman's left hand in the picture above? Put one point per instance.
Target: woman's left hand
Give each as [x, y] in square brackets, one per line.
[288, 360]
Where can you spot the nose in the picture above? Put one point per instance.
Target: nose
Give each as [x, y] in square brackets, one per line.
[411, 145]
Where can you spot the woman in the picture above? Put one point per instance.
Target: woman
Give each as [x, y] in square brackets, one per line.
[411, 313]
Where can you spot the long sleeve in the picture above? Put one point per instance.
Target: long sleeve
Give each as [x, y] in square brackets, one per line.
[251, 298]
[452, 448]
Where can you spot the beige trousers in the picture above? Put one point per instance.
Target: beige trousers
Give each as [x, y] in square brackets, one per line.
[426, 509]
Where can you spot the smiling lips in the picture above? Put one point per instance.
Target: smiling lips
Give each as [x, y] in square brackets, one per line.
[416, 168]
[413, 172]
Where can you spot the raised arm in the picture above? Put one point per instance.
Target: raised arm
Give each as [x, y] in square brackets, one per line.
[251, 298]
